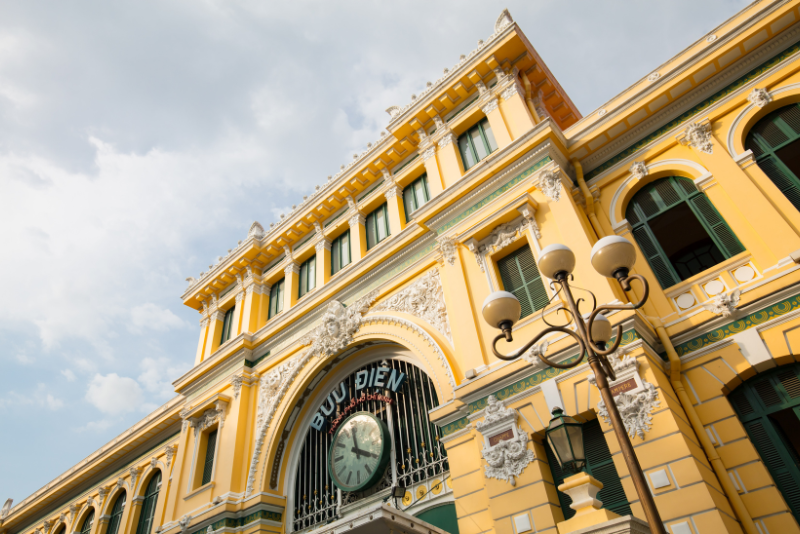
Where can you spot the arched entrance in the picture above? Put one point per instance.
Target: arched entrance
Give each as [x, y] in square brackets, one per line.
[768, 405]
[418, 458]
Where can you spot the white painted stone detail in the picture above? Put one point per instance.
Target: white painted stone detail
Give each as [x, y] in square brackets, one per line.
[724, 304]
[424, 299]
[550, 185]
[507, 458]
[759, 97]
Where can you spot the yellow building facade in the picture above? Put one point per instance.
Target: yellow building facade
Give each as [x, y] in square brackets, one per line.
[360, 311]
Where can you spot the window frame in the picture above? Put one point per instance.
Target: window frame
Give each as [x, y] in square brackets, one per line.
[276, 291]
[412, 195]
[115, 519]
[227, 325]
[89, 518]
[702, 208]
[150, 498]
[337, 252]
[479, 126]
[206, 464]
[308, 276]
[536, 295]
[371, 222]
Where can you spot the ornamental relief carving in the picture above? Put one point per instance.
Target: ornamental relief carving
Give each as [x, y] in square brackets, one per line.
[698, 136]
[503, 235]
[505, 444]
[423, 299]
[759, 97]
[724, 304]
[550, 184]
[635, 404]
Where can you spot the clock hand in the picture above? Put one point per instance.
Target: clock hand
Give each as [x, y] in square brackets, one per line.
[365, 453]
[355, 448]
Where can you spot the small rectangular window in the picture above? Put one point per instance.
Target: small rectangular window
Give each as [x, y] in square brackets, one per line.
[377, 224]
[308, 276]
[415, 195]
[340, 252]
[520, 276]
[208, 463]
[276, 298]
[227, 325]
[476, 143]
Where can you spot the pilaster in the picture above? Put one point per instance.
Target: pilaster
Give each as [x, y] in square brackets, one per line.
[491, 108]
[201, 344]
[435, 182]
[291, 284]
[517, 116]
[358, 236]
[214, 332]
[449, 159]
[394, 204]
[323, 270]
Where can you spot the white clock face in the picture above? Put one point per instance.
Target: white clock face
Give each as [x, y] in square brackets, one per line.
[359, 452]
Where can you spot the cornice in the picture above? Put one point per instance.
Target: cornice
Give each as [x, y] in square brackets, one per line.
[685, 104]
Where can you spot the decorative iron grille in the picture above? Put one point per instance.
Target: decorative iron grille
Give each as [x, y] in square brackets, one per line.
[417, 455]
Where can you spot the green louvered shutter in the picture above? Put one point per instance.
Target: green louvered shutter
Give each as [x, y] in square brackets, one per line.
[208, 464]
[755, 402]
[658, 261]
[116, 515]
[558, 478]
[149, 505]
[717, 228]
[521, 276]
[601, 466]
[778, 130]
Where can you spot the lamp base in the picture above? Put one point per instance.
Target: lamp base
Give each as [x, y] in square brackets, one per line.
[583, 489]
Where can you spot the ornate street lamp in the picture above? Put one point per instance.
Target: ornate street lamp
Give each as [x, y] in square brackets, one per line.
[612, 257]
[565, 436]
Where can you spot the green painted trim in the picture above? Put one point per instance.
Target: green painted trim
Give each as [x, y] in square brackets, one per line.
[468, 104]
[270, 266]
[366, 193]
[397, 270]
[740, 325]
[494, 194]
[304, 241]
[237, 522]
[705, 104]
[335, 217]
[253, 363]
[518, 387]
[404, 165]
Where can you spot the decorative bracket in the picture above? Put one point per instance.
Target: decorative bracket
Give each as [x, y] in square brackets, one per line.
[505, 444]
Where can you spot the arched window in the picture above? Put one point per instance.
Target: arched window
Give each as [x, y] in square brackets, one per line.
[678, 229]
[149, 505]
[87, 523]
[419, 456]
[116, 514]
[768, 405]
[775, 142]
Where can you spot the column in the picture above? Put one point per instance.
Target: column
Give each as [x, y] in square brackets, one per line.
[517, 116]
[215, 319]
[201, 345]
[237, 314]
[464, 323]
[435, 182]
[323, 268]
[291, 285]
[250, 310]
[397, 213]
[263, 306]
[449, 159]
[491, 108]
[358, 236]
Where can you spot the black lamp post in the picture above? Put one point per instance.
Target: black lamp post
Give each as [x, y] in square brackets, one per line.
[565, 436]
[612, 257]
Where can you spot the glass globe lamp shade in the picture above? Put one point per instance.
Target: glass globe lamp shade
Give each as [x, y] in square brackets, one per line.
[613, 254]
[565, 436]
[556, 259]
[501, 308]
[601, 329]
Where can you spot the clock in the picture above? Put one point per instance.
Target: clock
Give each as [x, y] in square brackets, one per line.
[359, 452]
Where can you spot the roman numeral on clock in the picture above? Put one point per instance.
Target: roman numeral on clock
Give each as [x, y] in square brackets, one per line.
[369, 471]
[338, 459]
[349, 476]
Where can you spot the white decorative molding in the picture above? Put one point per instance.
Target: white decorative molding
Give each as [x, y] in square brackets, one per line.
[134, 472]
[170, 453]
[428, 153]
[210, 417]
[183, 413]
[236, 382]
[489, 106]
[724, 304]
[532, 354]
[256, 230]
[322, 244]
[638, 170]
[502, 21]
[697, 135]
[338, 326]
[550, 184]
[759, 97]
[423, 299]
[356, 219]
[505, 444]
[511, 90]
[392, 191]
[448, 138]
[447, 246]
[153, 462]
[184, 522]
[653, 77]
[635, 398]
[477, 250]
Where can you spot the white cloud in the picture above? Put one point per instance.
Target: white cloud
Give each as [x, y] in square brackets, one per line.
[68, 375]
[157, 377]
[53, 403]
[96, 426]
[152, 317]
[113, 394]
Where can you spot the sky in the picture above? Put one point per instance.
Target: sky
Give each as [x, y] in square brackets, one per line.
[140, 139]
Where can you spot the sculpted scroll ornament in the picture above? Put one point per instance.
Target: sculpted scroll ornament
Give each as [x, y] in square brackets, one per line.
[759, 97]
[634, 407]
[423, 299]
[447, 245]
[698, 136]
[507, 458]
[550, 185]
[236, 382]
[338, 326]
[638, 170]
[724, 304]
